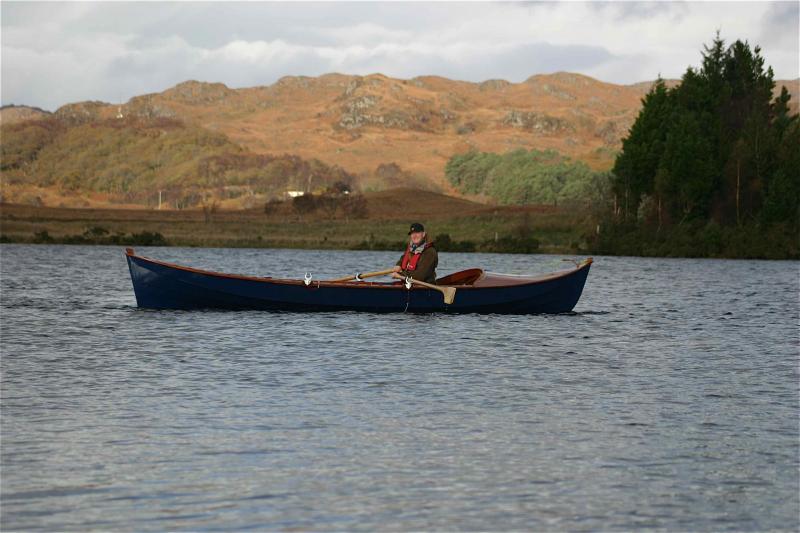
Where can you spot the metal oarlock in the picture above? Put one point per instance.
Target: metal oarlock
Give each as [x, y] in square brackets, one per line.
[408, 282]
[358, 276]
[307, 279]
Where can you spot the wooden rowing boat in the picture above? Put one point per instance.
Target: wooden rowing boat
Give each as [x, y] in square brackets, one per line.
[161, 285]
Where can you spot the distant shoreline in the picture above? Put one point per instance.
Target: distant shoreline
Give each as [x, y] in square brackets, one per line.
[458, 226]
[499, 229]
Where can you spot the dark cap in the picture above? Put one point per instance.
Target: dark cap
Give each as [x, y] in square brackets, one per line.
[416, 226]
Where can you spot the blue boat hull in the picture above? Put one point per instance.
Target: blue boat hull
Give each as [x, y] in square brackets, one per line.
[160, 285]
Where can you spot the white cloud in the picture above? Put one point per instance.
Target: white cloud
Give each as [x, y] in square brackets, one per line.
[58, 53]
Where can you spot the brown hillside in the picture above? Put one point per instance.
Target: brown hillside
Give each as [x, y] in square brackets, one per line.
[412, 203]
[9, 114]
[359, 123]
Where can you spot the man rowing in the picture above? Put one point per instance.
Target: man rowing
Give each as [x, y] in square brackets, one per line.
[420, 258]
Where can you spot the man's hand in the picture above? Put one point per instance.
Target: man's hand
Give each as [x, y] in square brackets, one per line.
[398, 275]
[396, 268]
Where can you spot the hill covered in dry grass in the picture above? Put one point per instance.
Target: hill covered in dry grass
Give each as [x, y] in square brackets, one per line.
[245, 145]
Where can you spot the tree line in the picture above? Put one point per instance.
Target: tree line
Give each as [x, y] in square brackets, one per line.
[718, 151]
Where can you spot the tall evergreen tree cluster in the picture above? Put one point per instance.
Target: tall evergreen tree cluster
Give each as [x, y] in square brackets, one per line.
[718, 147]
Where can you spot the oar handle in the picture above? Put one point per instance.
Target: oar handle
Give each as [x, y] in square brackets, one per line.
[449, 293]
[366, 275]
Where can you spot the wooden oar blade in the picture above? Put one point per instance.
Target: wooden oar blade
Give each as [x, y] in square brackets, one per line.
[449, 294]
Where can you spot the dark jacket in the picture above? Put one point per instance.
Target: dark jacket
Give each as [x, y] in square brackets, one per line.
[426, 266]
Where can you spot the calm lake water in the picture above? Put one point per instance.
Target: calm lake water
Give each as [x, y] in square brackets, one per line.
[669, 400]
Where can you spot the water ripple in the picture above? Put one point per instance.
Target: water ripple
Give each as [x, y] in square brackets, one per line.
[667, 400]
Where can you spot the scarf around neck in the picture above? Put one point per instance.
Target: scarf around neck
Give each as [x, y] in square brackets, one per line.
[418, 248]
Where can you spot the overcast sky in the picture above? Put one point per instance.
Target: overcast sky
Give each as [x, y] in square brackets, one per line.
[55, 53]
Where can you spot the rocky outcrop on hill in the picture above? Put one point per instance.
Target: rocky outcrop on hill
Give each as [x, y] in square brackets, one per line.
[387, 104]
[149, 106]
[493, 85]
[81, 112]
[198, 93]
[9, 114]
[537, 123]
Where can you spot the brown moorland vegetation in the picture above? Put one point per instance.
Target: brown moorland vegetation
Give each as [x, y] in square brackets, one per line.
[196, 137]
[382, 224]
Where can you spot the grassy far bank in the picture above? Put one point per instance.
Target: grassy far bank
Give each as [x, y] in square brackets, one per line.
[469, 226]
[456, 225]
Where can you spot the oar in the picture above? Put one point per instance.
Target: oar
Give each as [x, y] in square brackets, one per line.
[449, 293]
[366, 275]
